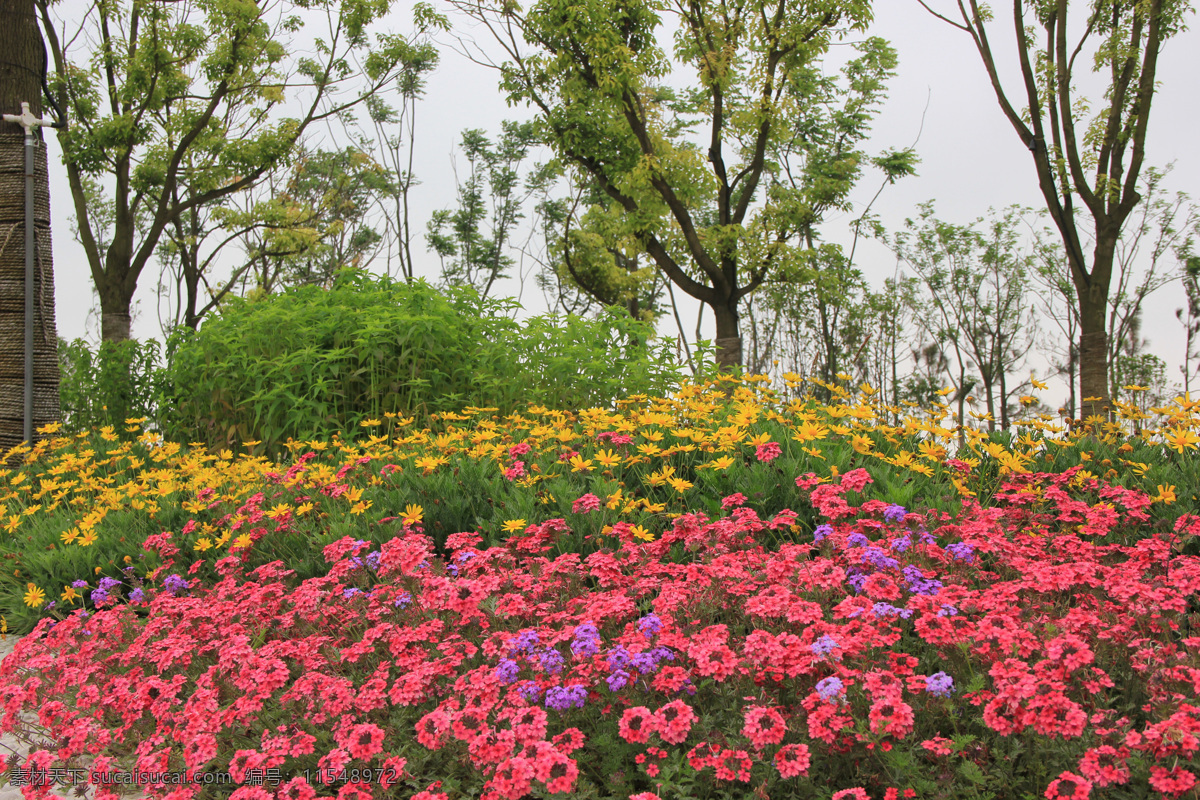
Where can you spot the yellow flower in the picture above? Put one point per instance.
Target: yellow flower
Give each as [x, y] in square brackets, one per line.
[608, 458]
[1166, 494]
[1179, 440]
[722, 463]
[641, 533]
[34, 596]
[808, 431]
[514, 525]
[303, 509]
[360, 507]
[202, 544]
[679, 484]
[241, 542]
[579, 464]
[14, 522]
[69, 594]
[88, 538]
[69, 536]
[412, 514]
[429, 463]
[861, 444]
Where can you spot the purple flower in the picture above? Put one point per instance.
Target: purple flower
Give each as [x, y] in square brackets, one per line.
[175, 584]
[108, 584]
[824, 646]
[404, 599]
[350, 592]
[939, 684]
[902, 544]
[947, 611]
[821, 532]
[644, 663]
[880, 559]
[961, 551]
[889, 610]
[137, 596]
[587, 640]
[372, 560]
[617, 680]
[829, 689]
[530, 691]
[560, 698]
[617, 658]
[79, 584]
[857, 539]
[662, 654]
[857, 581]
[507, 671]
[650, 625]
[895, 513]
[524, 642]
[551, 660]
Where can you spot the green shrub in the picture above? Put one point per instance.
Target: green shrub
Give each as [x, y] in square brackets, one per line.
[106, 386]
[310, 362]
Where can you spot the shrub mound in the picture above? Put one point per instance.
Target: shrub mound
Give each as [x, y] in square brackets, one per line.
[309, 362]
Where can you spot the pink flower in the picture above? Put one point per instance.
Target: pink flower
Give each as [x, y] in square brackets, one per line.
[674, 721]
[1173, 781]
[733, 501]
[769, 451]
[1068, 786]
[588, 503]
[852, 794]
[792, 760]
[764, 726]
[636, 725]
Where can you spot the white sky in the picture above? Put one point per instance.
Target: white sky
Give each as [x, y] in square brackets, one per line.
[971, 158]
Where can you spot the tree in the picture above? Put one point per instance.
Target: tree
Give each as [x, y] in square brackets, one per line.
[1160, 226]
[490, 197]
[688, 166]
[21, 77]
[175, 93]
[975, 297]
[1190, 318]
[1082, 166]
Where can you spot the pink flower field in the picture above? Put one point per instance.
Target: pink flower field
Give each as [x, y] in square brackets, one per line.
[1026, 649]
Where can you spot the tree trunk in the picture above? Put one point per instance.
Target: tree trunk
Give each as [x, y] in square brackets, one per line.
[1093, 336]
[729, 338]
[21, 81]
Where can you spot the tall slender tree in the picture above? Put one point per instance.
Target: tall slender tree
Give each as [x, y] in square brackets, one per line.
[1085, 162]
[21, 73]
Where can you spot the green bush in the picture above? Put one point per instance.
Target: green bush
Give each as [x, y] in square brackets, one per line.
[106, 386]
[310, 362]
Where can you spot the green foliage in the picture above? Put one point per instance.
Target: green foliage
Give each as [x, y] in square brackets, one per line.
[119, 381]
[309, 362]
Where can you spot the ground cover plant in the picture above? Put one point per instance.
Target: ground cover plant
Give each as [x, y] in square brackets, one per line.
[783, 598]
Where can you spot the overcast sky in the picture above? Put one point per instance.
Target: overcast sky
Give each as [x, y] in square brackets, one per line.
[971, 159]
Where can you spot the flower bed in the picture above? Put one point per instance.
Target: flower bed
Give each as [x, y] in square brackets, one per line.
[1031, 648]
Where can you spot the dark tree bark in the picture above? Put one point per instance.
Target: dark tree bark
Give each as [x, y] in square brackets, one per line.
[21, 81]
